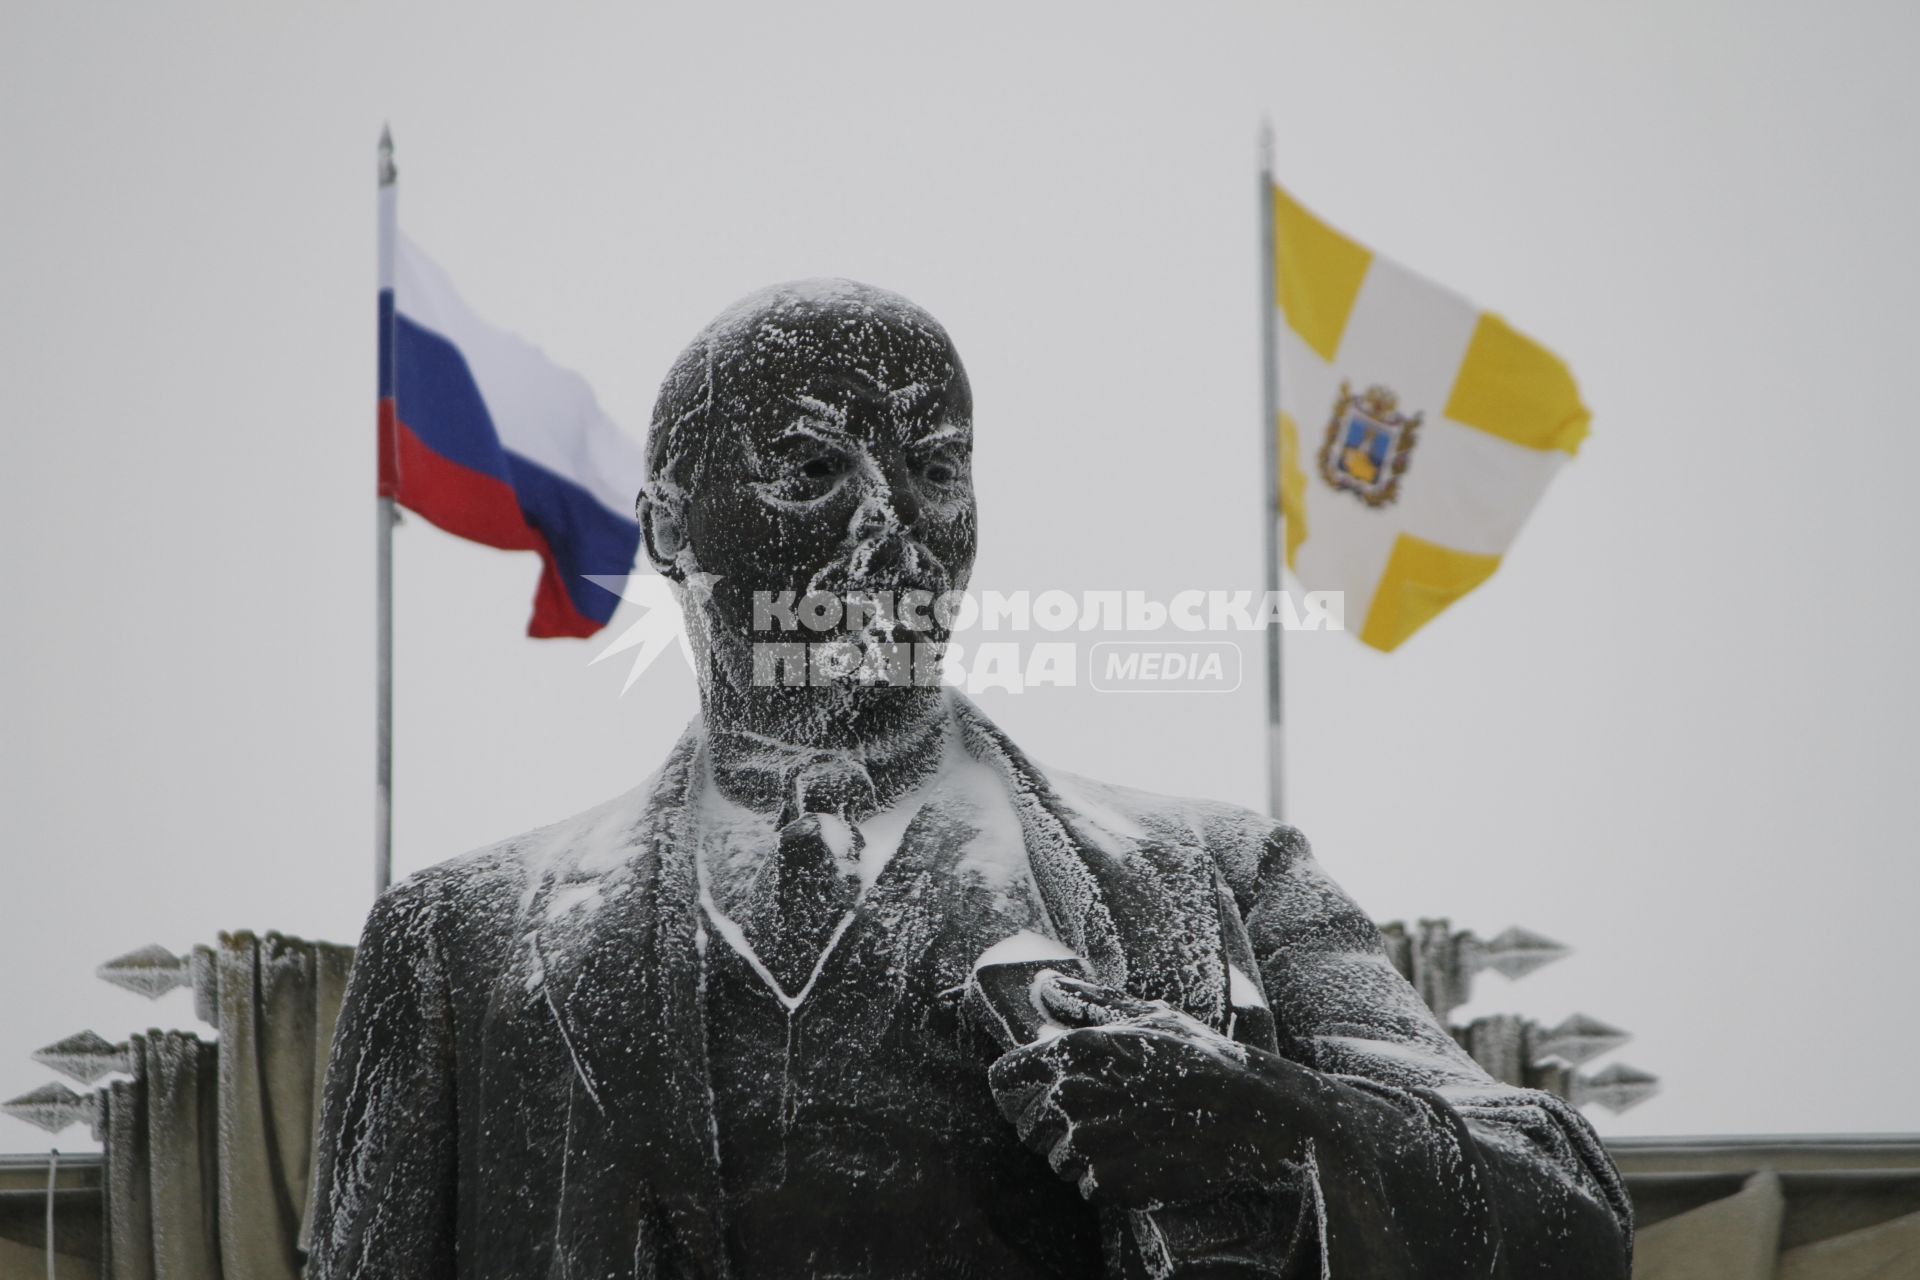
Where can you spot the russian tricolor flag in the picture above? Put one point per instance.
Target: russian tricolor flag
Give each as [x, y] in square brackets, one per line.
[487, 438]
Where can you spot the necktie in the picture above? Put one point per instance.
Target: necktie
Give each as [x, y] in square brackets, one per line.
[812, 880]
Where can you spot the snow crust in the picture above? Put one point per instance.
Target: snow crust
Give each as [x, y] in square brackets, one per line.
[1024, 947]
[1242, 991]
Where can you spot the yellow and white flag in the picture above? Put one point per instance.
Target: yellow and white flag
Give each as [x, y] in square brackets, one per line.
[1416, 430]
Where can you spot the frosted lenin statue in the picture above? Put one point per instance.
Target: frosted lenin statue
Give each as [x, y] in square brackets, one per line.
[850, 987]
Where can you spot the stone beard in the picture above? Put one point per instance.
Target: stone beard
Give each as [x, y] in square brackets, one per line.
[741, 1021]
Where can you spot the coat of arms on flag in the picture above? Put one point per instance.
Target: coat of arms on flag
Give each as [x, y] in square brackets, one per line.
[1369, 442]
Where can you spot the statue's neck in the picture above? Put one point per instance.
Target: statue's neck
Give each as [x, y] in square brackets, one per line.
[757, 739]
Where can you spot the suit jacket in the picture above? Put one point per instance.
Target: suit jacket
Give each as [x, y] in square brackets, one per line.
[519, 1085]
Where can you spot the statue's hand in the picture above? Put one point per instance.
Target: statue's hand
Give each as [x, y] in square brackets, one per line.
[1141, 1105]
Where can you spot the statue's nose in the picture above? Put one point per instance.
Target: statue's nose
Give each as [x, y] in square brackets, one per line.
[875, 518]
[896, 487]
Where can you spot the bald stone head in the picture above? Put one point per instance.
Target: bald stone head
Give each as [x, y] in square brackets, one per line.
[815, 437]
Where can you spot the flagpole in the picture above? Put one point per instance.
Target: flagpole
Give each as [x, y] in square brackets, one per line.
[385, 518]
[1273, 516]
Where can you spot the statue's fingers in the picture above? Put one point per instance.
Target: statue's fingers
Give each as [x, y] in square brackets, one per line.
[1084, 1097]
[1114, 1053]
[1021, 1082]
[1039, 1122]
[1038, 1119]
[1024, 1068]
[1067, 1160]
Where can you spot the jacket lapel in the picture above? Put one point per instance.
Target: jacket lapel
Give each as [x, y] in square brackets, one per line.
[1074, 901]
[1141, 908]
[616, 933]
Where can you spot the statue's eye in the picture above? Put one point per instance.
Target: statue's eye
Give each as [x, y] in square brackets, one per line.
[942, 466]
[824, 466]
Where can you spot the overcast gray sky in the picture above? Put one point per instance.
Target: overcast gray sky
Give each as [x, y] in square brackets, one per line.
[1672, 731]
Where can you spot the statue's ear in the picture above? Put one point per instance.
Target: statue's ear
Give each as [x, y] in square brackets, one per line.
[662, 533]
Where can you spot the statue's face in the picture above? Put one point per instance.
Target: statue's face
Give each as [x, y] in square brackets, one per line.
[843, 465]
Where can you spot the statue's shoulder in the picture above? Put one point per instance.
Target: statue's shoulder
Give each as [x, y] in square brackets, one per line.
[468, 905]
[463, 918]
[1249, 848]
[493, 883]
[1244, 842]
[571, 849]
